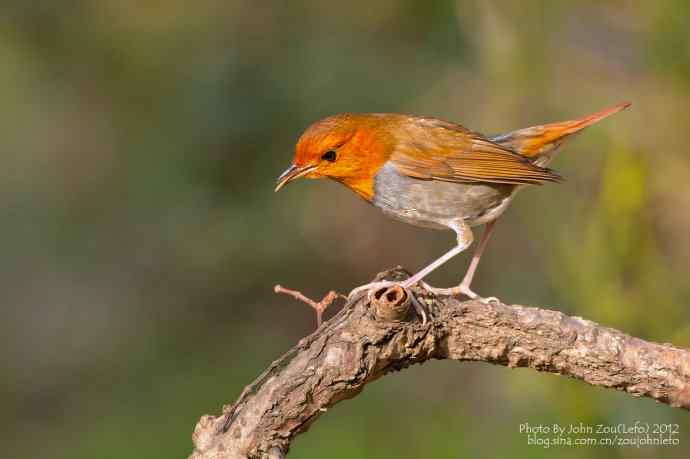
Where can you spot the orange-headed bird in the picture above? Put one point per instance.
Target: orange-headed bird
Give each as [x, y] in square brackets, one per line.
[432, 173]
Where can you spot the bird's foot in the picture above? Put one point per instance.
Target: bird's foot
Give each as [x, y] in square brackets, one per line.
[461, 289]
[371, 288]
[368, 289]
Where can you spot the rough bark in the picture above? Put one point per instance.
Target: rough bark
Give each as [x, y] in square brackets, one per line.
[365, 341]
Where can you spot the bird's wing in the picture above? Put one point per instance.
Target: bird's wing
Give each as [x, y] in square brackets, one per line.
[431, 149]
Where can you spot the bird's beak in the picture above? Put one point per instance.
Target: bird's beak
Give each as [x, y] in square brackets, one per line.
[293, 172]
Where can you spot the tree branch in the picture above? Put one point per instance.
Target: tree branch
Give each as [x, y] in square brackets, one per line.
[365, 341]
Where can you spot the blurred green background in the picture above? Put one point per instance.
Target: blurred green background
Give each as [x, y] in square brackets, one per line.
[141, 237]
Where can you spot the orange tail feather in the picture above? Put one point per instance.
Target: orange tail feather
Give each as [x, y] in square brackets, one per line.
[539, 142]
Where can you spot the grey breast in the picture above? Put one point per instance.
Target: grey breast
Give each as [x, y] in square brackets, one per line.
[434, 203]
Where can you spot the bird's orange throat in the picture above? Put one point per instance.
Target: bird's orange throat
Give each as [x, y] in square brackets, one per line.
[367, 152]
[363, 186]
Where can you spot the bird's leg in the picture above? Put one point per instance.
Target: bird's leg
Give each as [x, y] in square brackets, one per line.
[469, 275]
[465, 238]
[464, 287]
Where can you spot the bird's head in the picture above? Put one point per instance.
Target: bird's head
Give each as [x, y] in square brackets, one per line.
[348, 148]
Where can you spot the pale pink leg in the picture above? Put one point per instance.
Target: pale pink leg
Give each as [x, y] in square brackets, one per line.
[465, 239]
[431, 267]
[467, 280]
[464, 287]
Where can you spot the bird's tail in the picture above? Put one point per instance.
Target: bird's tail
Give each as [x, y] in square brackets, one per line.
[538, 143]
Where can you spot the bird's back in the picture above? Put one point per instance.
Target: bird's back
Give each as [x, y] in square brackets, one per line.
[440, 172]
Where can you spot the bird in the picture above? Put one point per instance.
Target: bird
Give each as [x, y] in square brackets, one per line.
[433, 173]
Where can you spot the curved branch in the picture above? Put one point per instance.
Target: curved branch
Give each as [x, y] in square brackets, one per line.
[365, 341]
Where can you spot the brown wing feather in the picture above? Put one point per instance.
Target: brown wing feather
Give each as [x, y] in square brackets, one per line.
[431, 149]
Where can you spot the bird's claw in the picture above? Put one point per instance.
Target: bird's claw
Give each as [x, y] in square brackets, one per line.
[489, 300]
[419, 309]
[368, 289]
[461, 289]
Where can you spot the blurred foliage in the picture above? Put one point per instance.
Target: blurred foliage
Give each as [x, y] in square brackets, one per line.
[141, 237]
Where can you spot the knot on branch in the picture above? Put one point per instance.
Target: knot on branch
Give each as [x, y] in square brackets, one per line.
[391, 303]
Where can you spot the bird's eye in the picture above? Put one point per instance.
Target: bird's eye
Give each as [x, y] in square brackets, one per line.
[329, 156]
